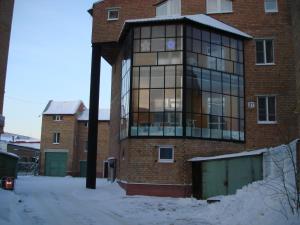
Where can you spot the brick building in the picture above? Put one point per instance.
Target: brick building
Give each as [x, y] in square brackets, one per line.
[194, 78]
[6, 14]
[64, 139]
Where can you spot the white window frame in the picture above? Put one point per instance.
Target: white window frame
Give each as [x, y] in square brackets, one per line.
[165, 160]
[58, 118]
[271, 10]
[267, 121]
[219, 7]
[168, 4]
[265, 52]
[109, 10]
[56, 137]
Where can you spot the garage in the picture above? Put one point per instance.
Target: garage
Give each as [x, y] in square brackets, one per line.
[225, 174]
[56, 164]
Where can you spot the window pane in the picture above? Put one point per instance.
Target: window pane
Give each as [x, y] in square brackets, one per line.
[156, 124]
[234, 54]
[143, 128]
[196, 33]
[215, 38]
[170, 44]
[191, 59]
[205, 126]
[134, 124]
[178, 99]
[272, 108]
[144, 59]
[262, 113]
[167, 58]
[226, 128]
[205, 36]
[144, 77]
[216, 124]
[206, 102]
[135, 100]
[211, 6]
[234, 85]
[260, 51]
[216, 82]
[271, 6]
[166, 153]
[216, 50]
[169, 76]
[169, 124]
[196, 101]
[197, 46]
[206, 80]
[216, 104]
[226, 5]
[205, 48]
[235, 107]
[157, 100]
[157, 44]
[144, 101]
[188, 100]
[170, 99]
[135, 77]
[179, 72]
[225, 52]
[196, 125]
[226, 106]
[157, 77]
[162, 10]
[226, 83]
[235, 130]
[145, 32]
[137, 33]
[171, 31]
[137, 44]
[158, 31]
[207, 62]
[269, 51]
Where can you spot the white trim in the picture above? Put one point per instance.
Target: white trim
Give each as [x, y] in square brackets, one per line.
[58, 118]
[272, 10]
[56, 136]
[265, 63]
[165, 160]
[111, 10]
[219, 7]
[267, 121]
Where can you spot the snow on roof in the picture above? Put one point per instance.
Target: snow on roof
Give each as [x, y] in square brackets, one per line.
[10, 154]
[104, 114]
[235, 155]
[9, 137]
[63, 107]
[35, 146]
[198, 18]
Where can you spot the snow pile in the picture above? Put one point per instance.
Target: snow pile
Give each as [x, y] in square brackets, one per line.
[65, 201]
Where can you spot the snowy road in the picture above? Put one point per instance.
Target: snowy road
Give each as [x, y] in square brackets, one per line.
[66, 201]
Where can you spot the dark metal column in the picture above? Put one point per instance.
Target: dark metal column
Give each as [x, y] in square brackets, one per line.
[93, 118]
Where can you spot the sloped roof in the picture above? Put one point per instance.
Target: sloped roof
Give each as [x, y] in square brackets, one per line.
[198, 18]
[104, 115]
[227, 156]
[35, 146]
[62, 107]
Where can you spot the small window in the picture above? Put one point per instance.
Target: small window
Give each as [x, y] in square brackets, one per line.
[169, 8]
[57, 118]
[56, 138]
[264, 52]
[166, 154]
[219, 6]
[113, 14]
[266, 109]
[271, 6]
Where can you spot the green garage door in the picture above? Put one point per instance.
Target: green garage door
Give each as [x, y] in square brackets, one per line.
[222, 177]
[56, 164]
[83, 168]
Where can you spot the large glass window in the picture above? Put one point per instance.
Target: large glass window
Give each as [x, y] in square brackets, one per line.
[200, 95]
[158, 94]
[214, 86]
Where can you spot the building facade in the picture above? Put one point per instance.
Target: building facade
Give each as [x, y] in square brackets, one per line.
[6, 15]
[194, 78]
[64, 139]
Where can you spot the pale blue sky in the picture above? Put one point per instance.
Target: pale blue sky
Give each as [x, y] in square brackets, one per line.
[49, 58]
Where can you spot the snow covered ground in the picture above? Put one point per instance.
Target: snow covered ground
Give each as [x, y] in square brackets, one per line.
[65, 201]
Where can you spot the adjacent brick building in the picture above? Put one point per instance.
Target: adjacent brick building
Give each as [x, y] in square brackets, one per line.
[6, 14]
[195, 78]
[64, 139]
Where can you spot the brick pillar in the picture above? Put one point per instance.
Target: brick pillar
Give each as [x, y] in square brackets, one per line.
[93, 118]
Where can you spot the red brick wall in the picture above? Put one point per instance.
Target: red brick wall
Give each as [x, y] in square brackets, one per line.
[138, 164]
